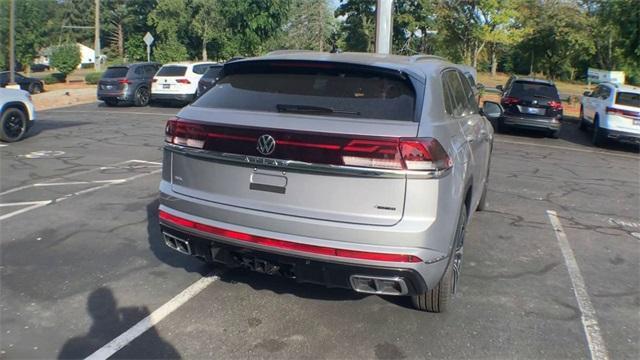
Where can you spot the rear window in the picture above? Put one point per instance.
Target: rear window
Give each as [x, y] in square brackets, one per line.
[524, 89]
[212, 73]
[201, 69]
[172, 70]
[314, 88]
[628, 99]
[115, 72]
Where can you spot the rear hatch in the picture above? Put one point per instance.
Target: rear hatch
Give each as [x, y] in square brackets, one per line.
[298, 138]
[626, 109]
[171, 79]
[113, 80]
[532, 99]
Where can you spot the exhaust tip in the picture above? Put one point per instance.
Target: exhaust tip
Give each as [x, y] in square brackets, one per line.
[177, 244]
[379, 285]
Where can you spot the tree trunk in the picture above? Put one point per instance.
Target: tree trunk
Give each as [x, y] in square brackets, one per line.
[494, 60]
[204, 50]
[120, 40]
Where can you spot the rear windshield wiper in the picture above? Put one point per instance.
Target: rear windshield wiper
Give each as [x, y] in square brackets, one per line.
[308, 109]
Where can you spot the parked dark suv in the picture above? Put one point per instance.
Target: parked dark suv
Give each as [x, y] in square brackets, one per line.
[208, 79]
[532, 104]
[129, 83]
[32, 85]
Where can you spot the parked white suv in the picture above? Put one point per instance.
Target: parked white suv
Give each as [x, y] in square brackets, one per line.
[178, 81]
[17, 114]
[612, 111]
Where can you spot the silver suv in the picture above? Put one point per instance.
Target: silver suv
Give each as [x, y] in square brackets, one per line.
[349, 170]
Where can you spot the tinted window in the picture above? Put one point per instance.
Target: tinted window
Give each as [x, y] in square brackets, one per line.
[446, 93]
[115, 72]
[349, 92]
[604, 92]
[628, 99]
[172, 70]
[150, 70]
[472, 106]
[213, 72]
[201, 69]
[4, 77]
[458, 97]
[527, 89]
[139, 70]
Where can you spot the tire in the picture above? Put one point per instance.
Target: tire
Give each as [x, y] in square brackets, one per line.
[599, 137]
[13, 125]
[554, 134]
[35, 88]
[141, 97]
[436, 300]
[583, 123]
[111, 102]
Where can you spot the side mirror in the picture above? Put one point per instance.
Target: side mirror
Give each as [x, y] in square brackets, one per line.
[499, 87]
[587, 93]
[491, 110]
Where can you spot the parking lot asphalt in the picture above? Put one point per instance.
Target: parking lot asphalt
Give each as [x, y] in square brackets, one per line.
[82, 262]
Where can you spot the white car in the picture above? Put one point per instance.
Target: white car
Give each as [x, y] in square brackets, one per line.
[612, 111]
[178, 81]
[17, 114]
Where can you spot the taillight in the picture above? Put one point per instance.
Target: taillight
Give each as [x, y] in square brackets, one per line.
[416, 154]
[183, 81]
[621, 112]
[555, 105]
[509, 100]
[124, 81]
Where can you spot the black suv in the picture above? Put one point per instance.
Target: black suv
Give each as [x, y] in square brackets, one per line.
[130, 83]
[32, 85]
[208, 79]
[530, 103]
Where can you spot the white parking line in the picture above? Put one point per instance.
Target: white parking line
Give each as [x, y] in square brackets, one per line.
[34, 205]
[567, 148]
[154, 318]
[589, 320]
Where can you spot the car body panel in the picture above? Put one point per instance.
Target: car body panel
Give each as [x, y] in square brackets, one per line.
[623, 126]
[24, 82]
[137, 75]
[181, 86]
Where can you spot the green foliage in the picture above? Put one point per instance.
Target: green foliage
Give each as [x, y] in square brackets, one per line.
[311, 26]
[359, 27]
[54, 78]
[78, 13]
[92, 78]
[65, 58]
[208, 24]
[169, 50]
[135, 49]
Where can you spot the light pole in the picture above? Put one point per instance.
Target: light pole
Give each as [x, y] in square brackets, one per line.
[96, 43]
[12, 43]
[384, 20]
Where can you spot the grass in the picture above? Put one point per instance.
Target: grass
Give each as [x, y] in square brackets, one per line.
[565, 89]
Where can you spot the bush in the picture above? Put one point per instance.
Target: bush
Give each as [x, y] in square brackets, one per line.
[65, 58]
[54, 78]
[92, 78]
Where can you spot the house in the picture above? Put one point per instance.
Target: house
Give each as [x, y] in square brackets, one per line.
[87, 56]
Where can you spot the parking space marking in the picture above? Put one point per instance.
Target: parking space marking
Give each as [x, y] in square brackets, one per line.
[566, 148]
[103, 184]
[33, 205]
[109, 112]
[154, 318]
[588, 314]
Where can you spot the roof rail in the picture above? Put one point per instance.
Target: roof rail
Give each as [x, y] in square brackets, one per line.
[422, 57]
[283, 52]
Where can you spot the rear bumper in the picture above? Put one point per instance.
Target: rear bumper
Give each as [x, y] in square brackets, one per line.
[623, 136]
[536, 123]
[173, 97]
[121, 96]
[300, 269]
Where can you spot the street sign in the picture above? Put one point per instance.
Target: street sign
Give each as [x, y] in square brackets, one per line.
[148, 39]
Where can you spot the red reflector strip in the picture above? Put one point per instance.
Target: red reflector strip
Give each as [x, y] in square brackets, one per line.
[282, 244]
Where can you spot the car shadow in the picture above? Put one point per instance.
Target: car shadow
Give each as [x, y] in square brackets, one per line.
[109, 321]
[571, 133]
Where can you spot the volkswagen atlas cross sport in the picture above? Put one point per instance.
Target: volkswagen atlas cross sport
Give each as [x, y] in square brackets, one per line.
[349, 170]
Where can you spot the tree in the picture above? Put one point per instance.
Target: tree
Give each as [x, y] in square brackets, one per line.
[310, 26]
[170, 19]
[207, 22]
[359, 26]
[135, 48]
[115, 15]
[78, 13]
[412, 22]
[65, 58]
[170, 50]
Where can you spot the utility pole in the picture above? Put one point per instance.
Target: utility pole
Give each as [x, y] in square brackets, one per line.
[12, 43]
[384, 9]
[96, 43]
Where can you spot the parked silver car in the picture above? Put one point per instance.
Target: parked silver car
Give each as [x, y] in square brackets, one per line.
[349, 170]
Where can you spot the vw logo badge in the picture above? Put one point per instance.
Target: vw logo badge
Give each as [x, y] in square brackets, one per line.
[266, 144]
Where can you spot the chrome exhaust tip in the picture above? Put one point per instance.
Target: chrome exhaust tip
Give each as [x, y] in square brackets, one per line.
[177, 244]
[379, 285]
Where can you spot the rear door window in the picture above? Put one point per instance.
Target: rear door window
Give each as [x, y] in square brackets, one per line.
[213, 72]
[628, 99]
[472, 105]
[527, 89]
[201, 69]
[172, 70]
[115, 72]
[310, 88]
[458, 97]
